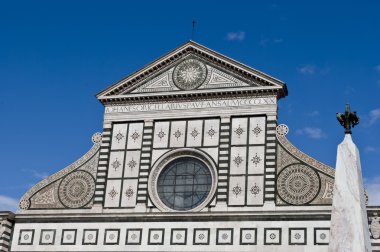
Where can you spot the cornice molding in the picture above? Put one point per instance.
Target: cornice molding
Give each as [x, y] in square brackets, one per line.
[166, 61]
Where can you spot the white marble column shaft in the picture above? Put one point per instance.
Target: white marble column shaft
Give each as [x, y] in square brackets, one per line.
[349, 226]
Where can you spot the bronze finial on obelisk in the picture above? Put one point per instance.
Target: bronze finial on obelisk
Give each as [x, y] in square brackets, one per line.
[349, 221]
[348, 119]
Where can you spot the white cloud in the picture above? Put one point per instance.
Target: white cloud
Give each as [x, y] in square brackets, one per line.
[369, 149]
[37, 174]
[314, 113]
[265, 41]
[374, 116]
[372, 185]
[307, 69]
[236, 36]
[8, 203]
[315, 133]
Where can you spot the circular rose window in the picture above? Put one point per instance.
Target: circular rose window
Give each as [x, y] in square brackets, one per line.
[182, 180]
[184, 184]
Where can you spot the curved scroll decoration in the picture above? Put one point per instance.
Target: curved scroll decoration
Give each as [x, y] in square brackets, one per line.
[281, 132]
[48, 188]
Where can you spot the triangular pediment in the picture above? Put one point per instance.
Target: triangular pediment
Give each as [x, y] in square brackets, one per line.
[213, 79]
[191, 68]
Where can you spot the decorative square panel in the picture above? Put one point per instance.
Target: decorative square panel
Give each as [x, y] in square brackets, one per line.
[69, 236]
[111, 236]
[132, 164]
[178, 236]
[248, 236]
[156, 236]
[113, 192]
[239, 131]
[238, 160]
[297, 236]
[256, 159]
[236, 191]
[272, 236]
[116, 164]
[257, 130]
[224, 236]
[211, 132]
[128, 198]
[321, 236]
[90, 237]
[194, 133]
[119, 136]
[26, 237]
[133, 236]
[201, 236]
[177, 134]
[47, 236]
[135, 133]
[255, 190]
[161, 134]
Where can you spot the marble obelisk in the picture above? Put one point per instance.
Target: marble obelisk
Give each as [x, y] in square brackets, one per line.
[349, 222]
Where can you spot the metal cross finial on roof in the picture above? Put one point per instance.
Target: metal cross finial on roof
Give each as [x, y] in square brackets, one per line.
[192, 34]
[348, 119]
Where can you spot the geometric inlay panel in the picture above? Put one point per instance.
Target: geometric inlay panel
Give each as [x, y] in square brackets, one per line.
[178, 236]
[236, 194]
[248, 236]
[224, 236]
[113, 191]
[194, 133]
[156, 236]
[119, 136]
[321, 236]
[255, 190]
[256, 159]
[90, 237]
[47, 237]
[257, 130]
[239, 131]
[178, 134]
[201, 236]
[297, 236]
[111, 236]
[211, 132]
[238, 160]
[135, 132]
[133, 237]
[272, 236]
[69, 236]
[26, 237]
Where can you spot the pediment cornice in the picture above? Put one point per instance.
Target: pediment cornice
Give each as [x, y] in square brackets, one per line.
[263, 83]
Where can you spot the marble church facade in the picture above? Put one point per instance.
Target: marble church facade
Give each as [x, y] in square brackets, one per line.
[191, 158]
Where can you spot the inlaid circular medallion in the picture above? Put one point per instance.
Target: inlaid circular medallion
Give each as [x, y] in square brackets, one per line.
[298, 184]
[76, 189]
[189, 74]
[282, 130]
[97, 138]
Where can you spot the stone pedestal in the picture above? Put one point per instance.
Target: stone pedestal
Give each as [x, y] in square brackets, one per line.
[349, 222]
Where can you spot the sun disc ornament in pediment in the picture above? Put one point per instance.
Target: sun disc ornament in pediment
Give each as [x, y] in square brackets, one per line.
[189, 74]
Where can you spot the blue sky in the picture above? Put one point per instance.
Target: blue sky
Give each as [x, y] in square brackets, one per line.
[56, 55]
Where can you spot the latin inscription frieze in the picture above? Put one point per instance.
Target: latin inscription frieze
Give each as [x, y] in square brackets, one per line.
[190, 105]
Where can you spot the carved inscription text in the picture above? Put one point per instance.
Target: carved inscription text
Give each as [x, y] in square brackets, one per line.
[191, 105]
